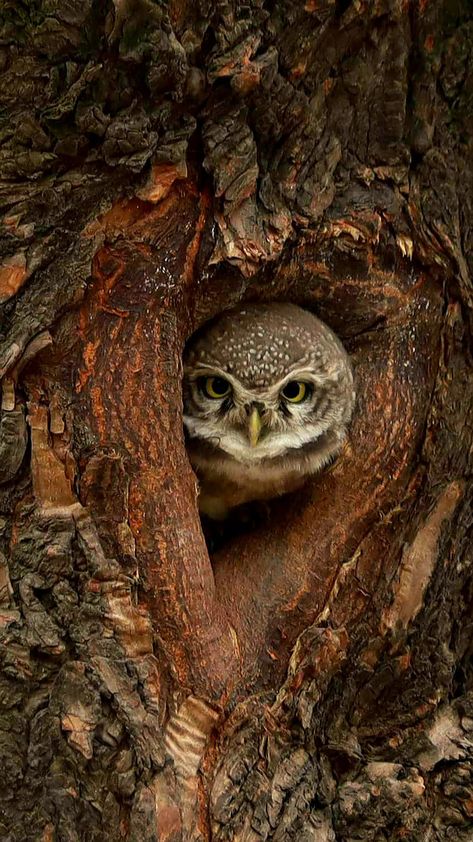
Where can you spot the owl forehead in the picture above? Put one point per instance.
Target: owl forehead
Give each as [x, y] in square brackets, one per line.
[260, 345]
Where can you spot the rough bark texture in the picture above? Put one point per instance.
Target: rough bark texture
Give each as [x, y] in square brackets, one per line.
[312, 680]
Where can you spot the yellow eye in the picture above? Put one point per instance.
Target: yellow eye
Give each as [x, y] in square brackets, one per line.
[215, 387]
[296, 391]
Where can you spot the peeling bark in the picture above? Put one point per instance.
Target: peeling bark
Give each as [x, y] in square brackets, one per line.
[311, 678]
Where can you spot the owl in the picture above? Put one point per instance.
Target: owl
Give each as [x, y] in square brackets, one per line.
[268, 395]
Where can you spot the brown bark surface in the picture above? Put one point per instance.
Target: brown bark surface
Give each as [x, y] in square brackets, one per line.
[309, 679]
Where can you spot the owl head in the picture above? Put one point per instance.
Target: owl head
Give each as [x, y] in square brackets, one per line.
[263, 380]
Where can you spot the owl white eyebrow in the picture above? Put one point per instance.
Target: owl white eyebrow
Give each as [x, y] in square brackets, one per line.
[299, 374]
[310, 377]
[210, 369]
[203, 368]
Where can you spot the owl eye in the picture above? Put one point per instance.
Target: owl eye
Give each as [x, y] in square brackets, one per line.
[296, 391]
[215, 387]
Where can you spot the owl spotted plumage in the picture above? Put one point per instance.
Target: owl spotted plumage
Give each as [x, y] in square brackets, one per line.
[268, 395]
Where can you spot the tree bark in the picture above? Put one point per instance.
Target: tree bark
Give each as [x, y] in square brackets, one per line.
[310, 678]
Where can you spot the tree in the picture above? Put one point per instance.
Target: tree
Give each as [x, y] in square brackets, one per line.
[312, 678]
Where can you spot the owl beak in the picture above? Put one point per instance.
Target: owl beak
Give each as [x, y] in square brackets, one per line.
[254, 426]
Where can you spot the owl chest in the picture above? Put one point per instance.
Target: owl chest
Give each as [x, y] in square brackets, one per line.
[233, 483]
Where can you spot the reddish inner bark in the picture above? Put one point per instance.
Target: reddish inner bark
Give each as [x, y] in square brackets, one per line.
[238, 622]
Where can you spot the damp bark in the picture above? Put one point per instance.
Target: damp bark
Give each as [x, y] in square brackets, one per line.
[310, 679]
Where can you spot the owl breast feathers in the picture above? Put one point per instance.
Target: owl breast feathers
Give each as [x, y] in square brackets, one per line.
[268, 395]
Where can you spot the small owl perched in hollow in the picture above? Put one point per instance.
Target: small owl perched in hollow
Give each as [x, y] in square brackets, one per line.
[268, 395]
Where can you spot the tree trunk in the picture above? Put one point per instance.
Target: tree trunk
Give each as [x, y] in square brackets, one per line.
[310, 679]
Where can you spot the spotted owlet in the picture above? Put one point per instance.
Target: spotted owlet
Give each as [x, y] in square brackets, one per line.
[268, 394]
